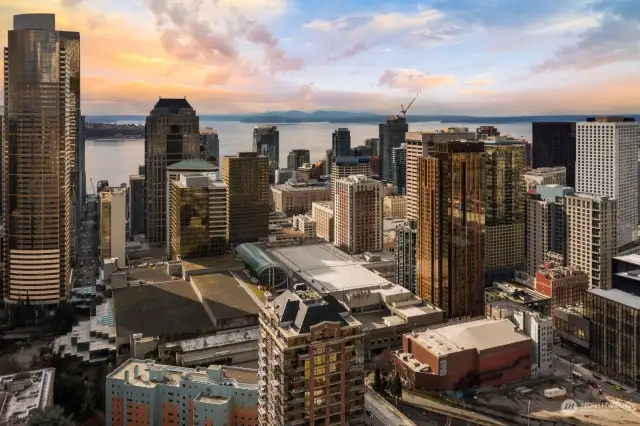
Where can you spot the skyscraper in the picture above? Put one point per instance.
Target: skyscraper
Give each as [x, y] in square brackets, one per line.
[341, 142]
[392, 135]
[399, 165]
[298, 157]
[136, 205]
[450, 254]
[554, 144]
[266, 141]
[39, 137]
[348, 166]
[210, 141]
[172, 134]
[405, 255]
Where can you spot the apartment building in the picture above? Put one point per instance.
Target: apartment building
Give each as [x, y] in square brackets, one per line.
[322, 213]
[113, 223]
[295, 198]
[144, 393]
[545, 176]
[349, 166]
[311, 362]
[592, 231]
[395, 206]
[358, 214]
[564, 284]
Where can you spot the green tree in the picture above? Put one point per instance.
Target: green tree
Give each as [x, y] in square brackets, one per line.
[50, 416]
[397, 386]
[377, 381]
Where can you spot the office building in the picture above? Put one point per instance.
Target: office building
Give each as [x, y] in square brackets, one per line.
[565, 285]
[266, 141]
[210, 141]
[141, 169]
[504, 203]
[311, 362]
[450, 253]
[591, 226]
[546, 229]
[374, 146]
[607, 165]
[113, 220]
[487, 132]
[394, 206]
[81, 177]
[341, 142]
[399, 168]
[295, 198]
[349, 166]
[322, 213]
[545, 176]
[362, 151]
[328, 161]
[392, 135]
[23, 393]
[247, 178]
[197, 217]
[136, 205]
[418, 145]
[405, 255]
[553, 145]
[297, 158]
[358, 214]
[142, 392]
[305, 224]
[172, 134]
[284, 175]
[308, 172]
[40, 123]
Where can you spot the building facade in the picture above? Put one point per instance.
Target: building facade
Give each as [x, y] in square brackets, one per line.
[405, 255]
[553, 145]
[113, 220]
[565, 285]
[39, 166]
[450, 253]
[136, 205]
[297, 197]
[399, 168]
[341, 142]
[545, 176]
[349, 166]
[266, 142]
[322, 213]
[210, 141]
[395, 206]
[297, 158]
[391, 135]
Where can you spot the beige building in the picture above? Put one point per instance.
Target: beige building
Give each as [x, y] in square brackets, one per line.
[349, 166]
[311, 362]
[305, 224]
[545, 176]
[592, 230]
[322, 213]
[296, 197]
[113, 223]
[395, 206]
[418, 145]
[358, 214]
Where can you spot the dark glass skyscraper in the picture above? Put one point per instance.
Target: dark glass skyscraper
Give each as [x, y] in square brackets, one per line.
[341, 142]
[399, 168]
[266, 141]
[392, 134]
[298, 157]
[554, 144]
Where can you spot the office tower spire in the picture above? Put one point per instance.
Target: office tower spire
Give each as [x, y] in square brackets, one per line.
[42, 109]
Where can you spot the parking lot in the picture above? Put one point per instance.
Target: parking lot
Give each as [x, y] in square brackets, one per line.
[88, 250]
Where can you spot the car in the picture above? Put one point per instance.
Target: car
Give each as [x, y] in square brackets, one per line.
[369, 413]
[616, 388]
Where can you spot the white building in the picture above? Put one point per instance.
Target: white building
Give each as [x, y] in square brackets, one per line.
[607, 155]
[545, 176]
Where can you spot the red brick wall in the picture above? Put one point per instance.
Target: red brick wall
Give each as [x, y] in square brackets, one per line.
[543, 284]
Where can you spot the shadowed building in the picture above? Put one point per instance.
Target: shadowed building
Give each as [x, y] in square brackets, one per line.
[554, 144]
[266, 141]
[172, 134]
[297, 158]
[341, 142]
[392, 134]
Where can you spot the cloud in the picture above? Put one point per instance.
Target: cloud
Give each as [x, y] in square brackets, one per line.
[71, 3]
[479, 82]
[413, 80]
[350, 52]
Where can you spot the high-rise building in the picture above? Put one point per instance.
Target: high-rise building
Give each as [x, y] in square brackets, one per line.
[607, 165]
[39, 137]
[311, 362]
[172, 134]
[211, 142]
[554, 144]
[113, 220]
[450, 253]
[592, 226]
[358, 214]
[80, 184]
[297, 158]
[545, 176]
[546, 228]
[348, 166]
[341, 142]
[392, 135]
[405, 255]
[399, 166]
[374, 146]
[247, 178]
[361, 151]
[328, 162]
[266, 141]
[418, 145]
[504, 203]
[136, 205]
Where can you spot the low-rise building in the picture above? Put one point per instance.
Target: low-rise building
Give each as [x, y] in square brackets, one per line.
[297, 197]
[142, 392]
[564, 284]
[322, 213]
[545, 176]
[22, 393]
[305, 224]
[519, 294]
[395, 206]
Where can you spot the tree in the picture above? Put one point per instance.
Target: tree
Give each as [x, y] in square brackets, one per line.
[50, 416]
[377, 381]
[397, 386]
[89, 402]
[9, 366]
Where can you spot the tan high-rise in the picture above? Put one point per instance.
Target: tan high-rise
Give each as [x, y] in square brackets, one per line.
[40, 125]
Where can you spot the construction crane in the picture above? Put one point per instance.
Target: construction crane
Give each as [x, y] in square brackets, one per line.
[93, 191]
[404, 110]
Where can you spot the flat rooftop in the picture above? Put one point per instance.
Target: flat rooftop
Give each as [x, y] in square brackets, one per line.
[618, 296]
[225, 261]
[327, 269]
[16, 406]
[218, 340]
[630, 258]
[224, 296]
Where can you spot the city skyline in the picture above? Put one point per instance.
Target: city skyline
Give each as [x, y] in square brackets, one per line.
[470, 57]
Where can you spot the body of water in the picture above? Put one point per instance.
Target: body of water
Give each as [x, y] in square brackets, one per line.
[115, 160]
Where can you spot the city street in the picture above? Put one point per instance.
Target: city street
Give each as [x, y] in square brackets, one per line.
[88, 253]
[381, 412]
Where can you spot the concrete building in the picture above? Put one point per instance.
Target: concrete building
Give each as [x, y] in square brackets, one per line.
[40, 122]
[481, 352]
[295, 198]
[298, 157]
[418, 145]
[284, 175]
[341, 143]
[136, 205]
[391, 135]
[322, 213]
[607, 166]
[565, 285]
[545, 176]
[592, 226]
[266, 142]
[211, 142]
[308, 172]
[405, 255]
[113, 221]
[247, 178]
[395, 206]
[305, 224]
[399, 168]
[348, 166]
[22, 393]
[142, 392]
[554, 145]
[450, 252]
[358, 214]
[310, 345]
[171, 135]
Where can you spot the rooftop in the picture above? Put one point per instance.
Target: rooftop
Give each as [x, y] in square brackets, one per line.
[24, 392]
[193, 165]
[540, 171]
[618, 296]
[221, 339]
[353, 179]
[173, 104]
[224, 297]
[225, 261]
[629, 258]
[302, 186]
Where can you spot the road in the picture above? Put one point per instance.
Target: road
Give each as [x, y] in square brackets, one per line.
[88, 251]
[383, 413]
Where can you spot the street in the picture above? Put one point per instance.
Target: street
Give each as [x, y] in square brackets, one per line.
[88, 253]
[382, 413]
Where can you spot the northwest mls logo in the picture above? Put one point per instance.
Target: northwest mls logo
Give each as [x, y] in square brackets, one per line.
[569, 407]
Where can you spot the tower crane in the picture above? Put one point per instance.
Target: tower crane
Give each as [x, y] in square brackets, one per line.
[404, 110]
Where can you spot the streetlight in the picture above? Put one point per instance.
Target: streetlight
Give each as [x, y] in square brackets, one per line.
[529, 413]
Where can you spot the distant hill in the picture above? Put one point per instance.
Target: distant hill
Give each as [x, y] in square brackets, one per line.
[320, 116]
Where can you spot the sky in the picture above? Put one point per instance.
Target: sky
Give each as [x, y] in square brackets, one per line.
[468, 57]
